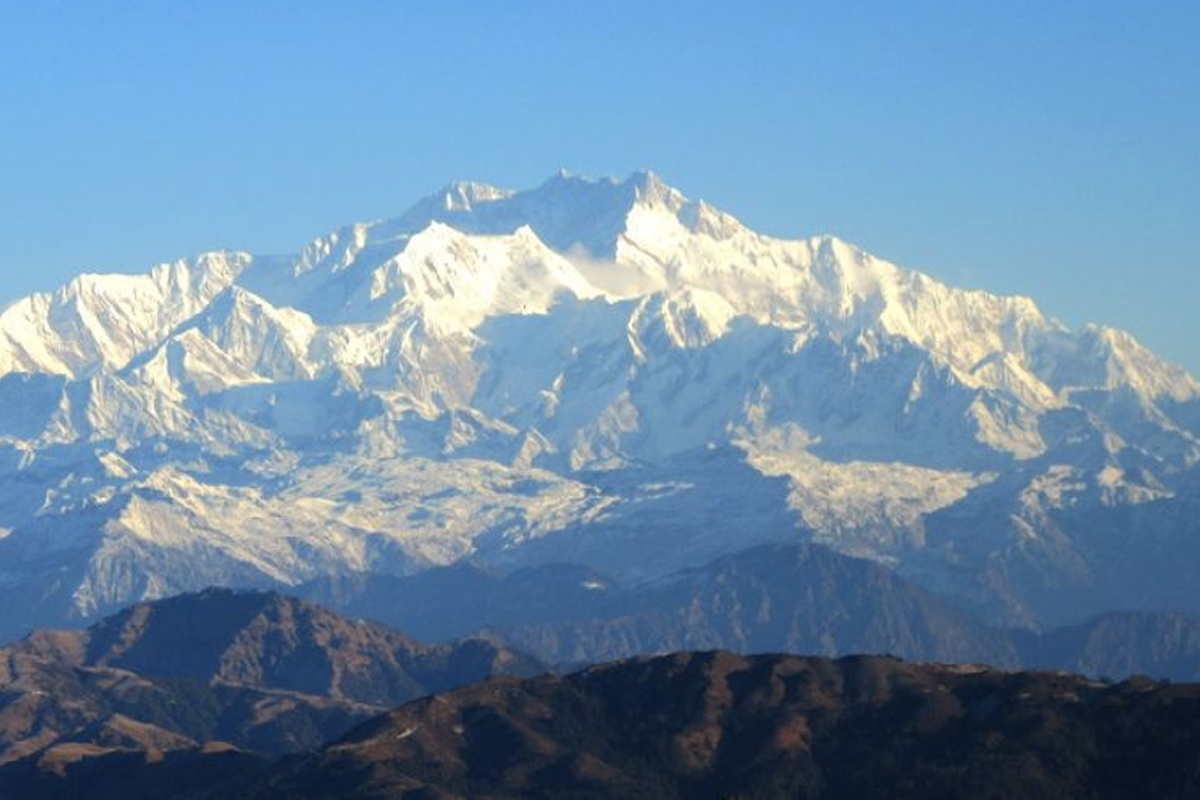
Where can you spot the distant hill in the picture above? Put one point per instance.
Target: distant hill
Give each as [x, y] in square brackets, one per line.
[1117, 645]
[793, 598]
[264, 672]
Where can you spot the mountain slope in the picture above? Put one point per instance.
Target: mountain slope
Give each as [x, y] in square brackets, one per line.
[210, 771]
[772, 598]
[792, 598]
[1119, 644]
[716, 724]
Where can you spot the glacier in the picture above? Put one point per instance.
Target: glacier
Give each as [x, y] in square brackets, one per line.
[593, 370]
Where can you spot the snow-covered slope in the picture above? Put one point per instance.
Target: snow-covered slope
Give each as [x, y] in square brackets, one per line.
[101, 321]
[592, 369]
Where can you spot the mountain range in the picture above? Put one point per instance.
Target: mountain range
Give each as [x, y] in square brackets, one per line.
[778, 598]
[244, 676]
[596, 372]
[715, 724]
[202, 675]
[702, 725]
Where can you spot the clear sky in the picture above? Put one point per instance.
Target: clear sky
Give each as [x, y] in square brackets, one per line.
[1041, 148]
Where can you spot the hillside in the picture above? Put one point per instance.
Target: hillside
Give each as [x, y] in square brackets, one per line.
[260, 671]
[716, 725]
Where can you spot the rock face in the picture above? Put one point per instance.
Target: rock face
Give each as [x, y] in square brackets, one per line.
[598, 372]
[718, 725]
[267, 673]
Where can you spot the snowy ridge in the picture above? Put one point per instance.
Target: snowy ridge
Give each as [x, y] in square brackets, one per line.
[101, 321]
[522, 375]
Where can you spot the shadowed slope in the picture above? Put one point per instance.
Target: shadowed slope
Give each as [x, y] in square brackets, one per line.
[716, 724]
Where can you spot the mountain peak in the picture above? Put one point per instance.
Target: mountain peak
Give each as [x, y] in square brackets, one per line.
[650, 185]
[465, 195]
[564, 177]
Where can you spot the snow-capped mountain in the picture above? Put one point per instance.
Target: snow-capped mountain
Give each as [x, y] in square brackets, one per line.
[591, 370]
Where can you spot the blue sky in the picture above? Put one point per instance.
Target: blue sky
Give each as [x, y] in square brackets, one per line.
[1049, 149]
